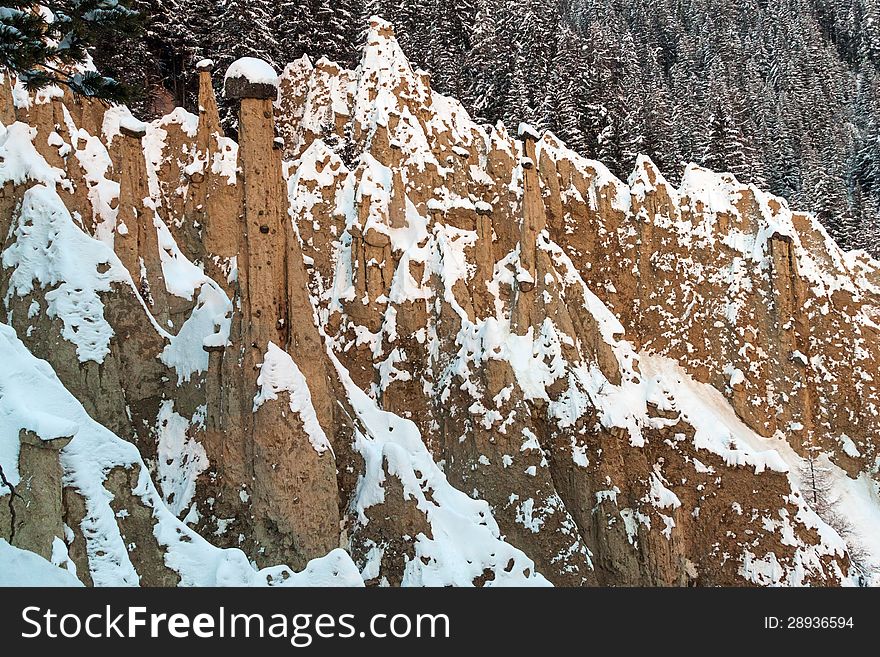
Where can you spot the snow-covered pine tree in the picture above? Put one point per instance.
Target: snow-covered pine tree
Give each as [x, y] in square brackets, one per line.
[867, 177]
[247, 30]
[568, 84]
[317, 28]
[868, 39]
[722, 144]
[447, 59]
[534, 30]
[490, 62]
[826, 192]
[337, 29]
[297, 31]
[51, 47]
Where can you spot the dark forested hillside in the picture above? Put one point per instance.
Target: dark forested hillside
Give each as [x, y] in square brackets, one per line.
[783, 93]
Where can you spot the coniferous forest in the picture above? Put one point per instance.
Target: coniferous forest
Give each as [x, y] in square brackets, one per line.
[782, 93]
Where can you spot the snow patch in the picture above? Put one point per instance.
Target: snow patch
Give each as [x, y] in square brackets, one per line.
[279, 373]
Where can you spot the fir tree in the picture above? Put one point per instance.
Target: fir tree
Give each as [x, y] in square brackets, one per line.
[724, 148]
[50, 47]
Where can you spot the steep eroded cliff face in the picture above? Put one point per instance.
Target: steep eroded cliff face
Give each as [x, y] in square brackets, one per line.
[380, 342]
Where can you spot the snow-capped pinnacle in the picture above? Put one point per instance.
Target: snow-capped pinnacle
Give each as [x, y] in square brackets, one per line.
[381, 27]
[250, 77]
[132, 127]
[252, 69]
[384, 52]
[526, 131]
[297, 67]
[387, 84]
[645, 176]
[644, 163]
[205, 65]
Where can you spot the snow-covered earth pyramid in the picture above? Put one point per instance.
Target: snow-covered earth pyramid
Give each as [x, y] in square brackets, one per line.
[371, 341]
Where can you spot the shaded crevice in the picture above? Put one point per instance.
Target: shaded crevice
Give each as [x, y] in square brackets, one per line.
[12, 495]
